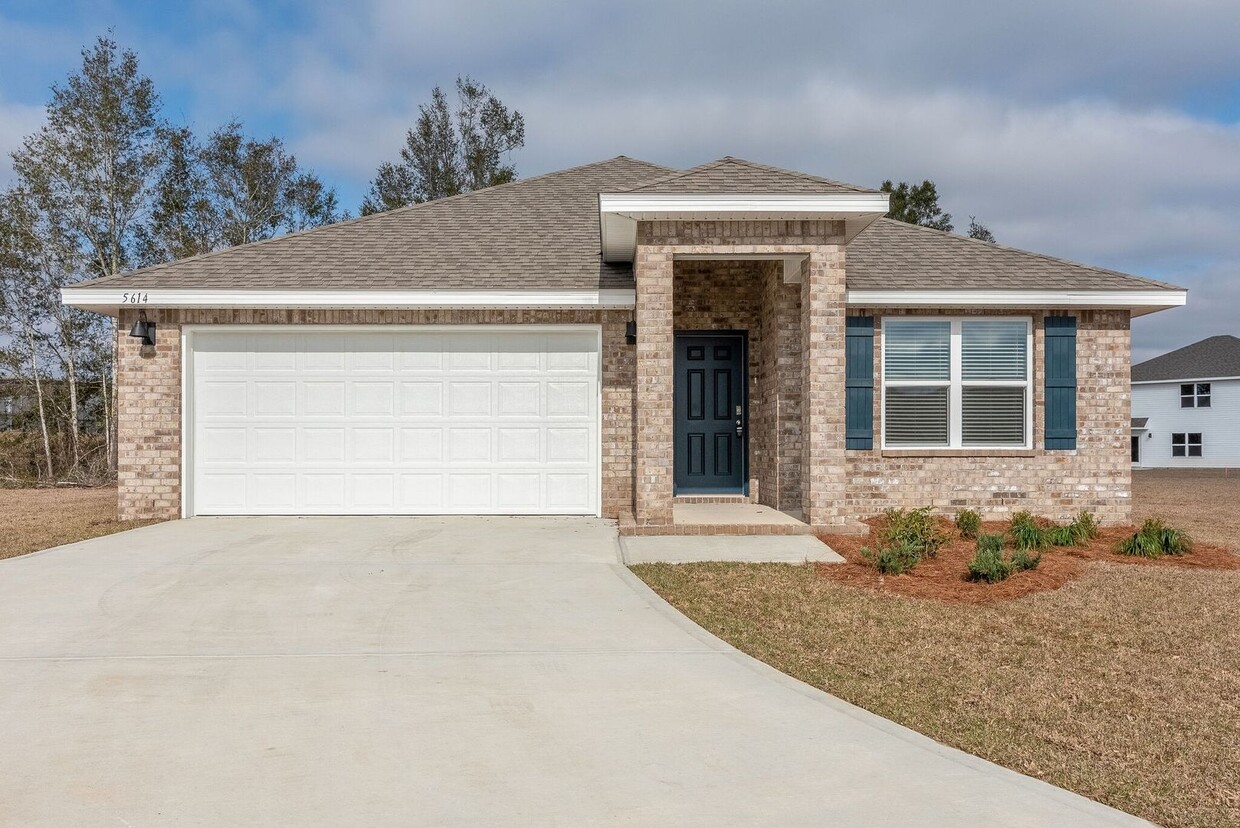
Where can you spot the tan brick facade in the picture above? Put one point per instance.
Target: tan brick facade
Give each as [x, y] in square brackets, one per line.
[796, 340]
[1056, 484]
[149, 389]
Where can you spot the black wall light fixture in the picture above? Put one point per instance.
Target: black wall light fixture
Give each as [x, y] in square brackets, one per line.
[630, 332]
[143, 330]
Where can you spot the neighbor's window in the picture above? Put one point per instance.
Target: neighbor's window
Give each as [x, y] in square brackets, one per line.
[1186, 445]
[956, 383]
[1195, 395]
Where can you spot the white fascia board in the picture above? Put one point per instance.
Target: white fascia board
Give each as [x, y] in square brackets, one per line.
[110, 300]
[1137, 300]
[1183, 381]
[620, 212]
[656, 206]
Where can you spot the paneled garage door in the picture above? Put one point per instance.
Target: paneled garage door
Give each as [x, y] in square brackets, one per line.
[426, 420]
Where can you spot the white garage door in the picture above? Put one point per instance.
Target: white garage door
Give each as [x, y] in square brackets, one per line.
[300, 421]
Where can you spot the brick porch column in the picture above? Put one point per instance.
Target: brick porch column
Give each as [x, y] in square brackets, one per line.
[652, 271]
[822, 374]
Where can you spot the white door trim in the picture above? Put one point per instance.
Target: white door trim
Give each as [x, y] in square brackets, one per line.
[187, 379]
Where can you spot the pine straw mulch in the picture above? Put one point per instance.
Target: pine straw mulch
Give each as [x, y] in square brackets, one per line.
[945, 576]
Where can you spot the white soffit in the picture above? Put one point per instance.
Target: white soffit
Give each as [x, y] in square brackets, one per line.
[110, 300]
[1138, 301]
[620, 212]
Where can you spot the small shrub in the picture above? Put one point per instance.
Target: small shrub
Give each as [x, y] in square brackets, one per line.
[1154, 540]
[1086, 525]
[1062, 535]
[915, 528]
[1023, 560]
[991, 543]
[968, 522]
[893, 560]
[987, 563]
[1026, 533]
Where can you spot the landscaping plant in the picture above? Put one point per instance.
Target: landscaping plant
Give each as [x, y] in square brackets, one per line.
[1023, 559]
[914, 528]
[968, 522]
[987, 563]
[1154, 540]
[893, 560]
[1026, 533]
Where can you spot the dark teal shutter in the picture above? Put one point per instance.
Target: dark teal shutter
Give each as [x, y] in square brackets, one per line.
[1060, 382]
[859, 382]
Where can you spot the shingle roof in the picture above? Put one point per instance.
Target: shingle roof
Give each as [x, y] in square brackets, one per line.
[1140, 422]
[895, 255]
[542, 233]
[735, 175]
[1217, 356]
[538, 233]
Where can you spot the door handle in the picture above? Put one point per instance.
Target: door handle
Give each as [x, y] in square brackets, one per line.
[740, 421]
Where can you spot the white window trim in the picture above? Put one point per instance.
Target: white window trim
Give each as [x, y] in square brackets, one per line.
[956, 383]
[1196, 395]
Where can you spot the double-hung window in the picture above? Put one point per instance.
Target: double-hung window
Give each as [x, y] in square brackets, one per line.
[1195, 395]
[957, 383]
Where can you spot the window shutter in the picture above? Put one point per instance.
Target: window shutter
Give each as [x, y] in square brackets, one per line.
[1060, 382]
[859, 382]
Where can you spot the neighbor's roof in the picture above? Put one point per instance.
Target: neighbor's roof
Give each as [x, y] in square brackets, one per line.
[1218, 356]
[1140, 422]
[542, 233]
[735, 175]
[895, 255]
[538, 233]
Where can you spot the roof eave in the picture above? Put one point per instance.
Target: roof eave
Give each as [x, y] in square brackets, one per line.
[619, 213]
[1139, 302]
[110, 301]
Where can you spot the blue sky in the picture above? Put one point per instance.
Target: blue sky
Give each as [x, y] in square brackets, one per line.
[1104, 132]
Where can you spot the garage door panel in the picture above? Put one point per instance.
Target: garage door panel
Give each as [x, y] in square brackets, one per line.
[410, 421]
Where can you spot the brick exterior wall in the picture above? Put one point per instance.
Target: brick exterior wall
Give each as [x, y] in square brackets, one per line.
[149, 392]
[148, 422]
[790, 351]
[1058, 484]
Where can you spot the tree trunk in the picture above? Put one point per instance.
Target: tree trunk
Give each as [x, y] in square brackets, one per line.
[38, 392]
[74, 426]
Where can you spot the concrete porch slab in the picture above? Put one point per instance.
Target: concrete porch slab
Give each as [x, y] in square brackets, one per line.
[731, 548]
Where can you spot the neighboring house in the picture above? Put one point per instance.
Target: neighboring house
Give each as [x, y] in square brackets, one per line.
[1186, 407]
[607, 339]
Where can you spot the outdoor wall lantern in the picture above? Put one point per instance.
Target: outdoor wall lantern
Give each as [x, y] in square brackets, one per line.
[630, 332]
[143, 330]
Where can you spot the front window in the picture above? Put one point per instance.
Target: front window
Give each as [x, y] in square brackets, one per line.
[956, 383]
[1186, 445]
[1195, 395]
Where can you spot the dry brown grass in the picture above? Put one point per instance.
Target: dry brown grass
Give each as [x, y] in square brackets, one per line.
[35, 519]
[1121, 682]
[1122, 685]
[1204, 503]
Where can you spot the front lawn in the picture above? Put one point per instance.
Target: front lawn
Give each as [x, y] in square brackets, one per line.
[35, 519]
[1121, 685]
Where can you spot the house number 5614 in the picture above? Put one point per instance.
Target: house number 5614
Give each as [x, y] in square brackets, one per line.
[133, 298]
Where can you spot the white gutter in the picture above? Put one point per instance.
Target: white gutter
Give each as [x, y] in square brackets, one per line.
[111, 300]
[1143, 301]
[1183, 380]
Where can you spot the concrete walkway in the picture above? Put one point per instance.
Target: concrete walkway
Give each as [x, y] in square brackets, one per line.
[407, 672]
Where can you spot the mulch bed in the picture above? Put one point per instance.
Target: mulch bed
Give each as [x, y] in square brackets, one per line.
[945, 576]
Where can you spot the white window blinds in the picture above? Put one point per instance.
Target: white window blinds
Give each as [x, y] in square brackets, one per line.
[956, 383]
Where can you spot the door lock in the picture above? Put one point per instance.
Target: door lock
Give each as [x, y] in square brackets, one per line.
[740, 421]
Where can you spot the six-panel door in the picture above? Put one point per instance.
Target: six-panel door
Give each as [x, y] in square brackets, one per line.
[709, 406]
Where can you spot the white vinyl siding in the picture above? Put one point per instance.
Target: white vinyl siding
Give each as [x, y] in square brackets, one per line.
[301, 420]
[957, 382]
[1218, 424]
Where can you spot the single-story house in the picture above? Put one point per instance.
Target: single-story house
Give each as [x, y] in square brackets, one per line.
[616, 338]
[1186, 407]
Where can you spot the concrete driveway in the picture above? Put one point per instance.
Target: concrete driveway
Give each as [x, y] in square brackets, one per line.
[428, 671]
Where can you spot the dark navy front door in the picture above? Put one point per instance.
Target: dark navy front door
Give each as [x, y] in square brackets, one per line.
[709, 404]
